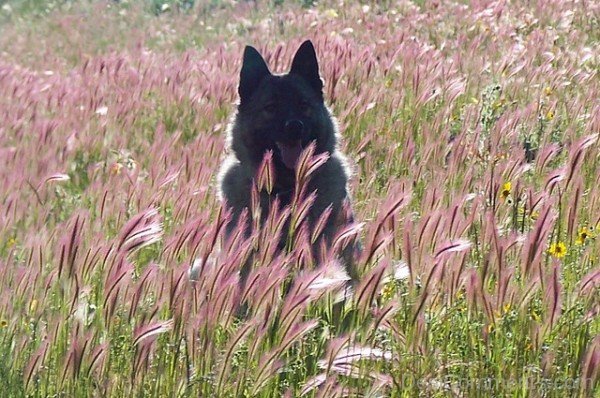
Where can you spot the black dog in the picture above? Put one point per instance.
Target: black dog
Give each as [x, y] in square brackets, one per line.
[284, 114]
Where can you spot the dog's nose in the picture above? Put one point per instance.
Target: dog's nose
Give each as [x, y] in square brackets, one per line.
[294, 127]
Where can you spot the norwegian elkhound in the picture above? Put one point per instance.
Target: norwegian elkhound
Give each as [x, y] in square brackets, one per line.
[284, 114]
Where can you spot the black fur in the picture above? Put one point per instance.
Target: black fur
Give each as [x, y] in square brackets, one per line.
[283, 111]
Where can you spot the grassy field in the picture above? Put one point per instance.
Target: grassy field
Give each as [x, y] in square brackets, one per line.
[473, 131]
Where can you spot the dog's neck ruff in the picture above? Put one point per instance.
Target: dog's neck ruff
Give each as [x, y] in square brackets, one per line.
[284, 196]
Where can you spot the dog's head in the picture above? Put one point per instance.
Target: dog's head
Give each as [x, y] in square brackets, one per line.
[282, 113]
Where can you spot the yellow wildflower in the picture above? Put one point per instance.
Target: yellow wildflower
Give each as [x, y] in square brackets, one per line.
[505, 192]
[550, 114]
[584, 234]
[388, 290]
[3, 323]
[503, 311]
[548, 91]
[558, 250]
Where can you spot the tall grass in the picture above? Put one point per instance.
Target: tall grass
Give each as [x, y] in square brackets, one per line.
[473, 133]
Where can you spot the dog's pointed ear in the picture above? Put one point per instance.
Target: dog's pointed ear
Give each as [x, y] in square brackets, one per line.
[305, 64]
[254, 70]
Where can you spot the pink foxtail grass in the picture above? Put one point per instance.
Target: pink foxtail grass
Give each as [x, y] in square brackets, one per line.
[472, 132]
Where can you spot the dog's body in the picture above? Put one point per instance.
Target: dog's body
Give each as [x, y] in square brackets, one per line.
[283, 114]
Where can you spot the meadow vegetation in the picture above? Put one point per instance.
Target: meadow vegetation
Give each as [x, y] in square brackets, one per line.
[473, 134]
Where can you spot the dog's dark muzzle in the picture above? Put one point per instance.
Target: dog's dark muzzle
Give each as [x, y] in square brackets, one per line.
[290, 147]
[294, 129]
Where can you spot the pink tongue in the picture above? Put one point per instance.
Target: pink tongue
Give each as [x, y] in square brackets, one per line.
[290, 152]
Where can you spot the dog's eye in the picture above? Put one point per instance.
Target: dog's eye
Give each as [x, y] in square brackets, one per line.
[269, 109]
[304, 106]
